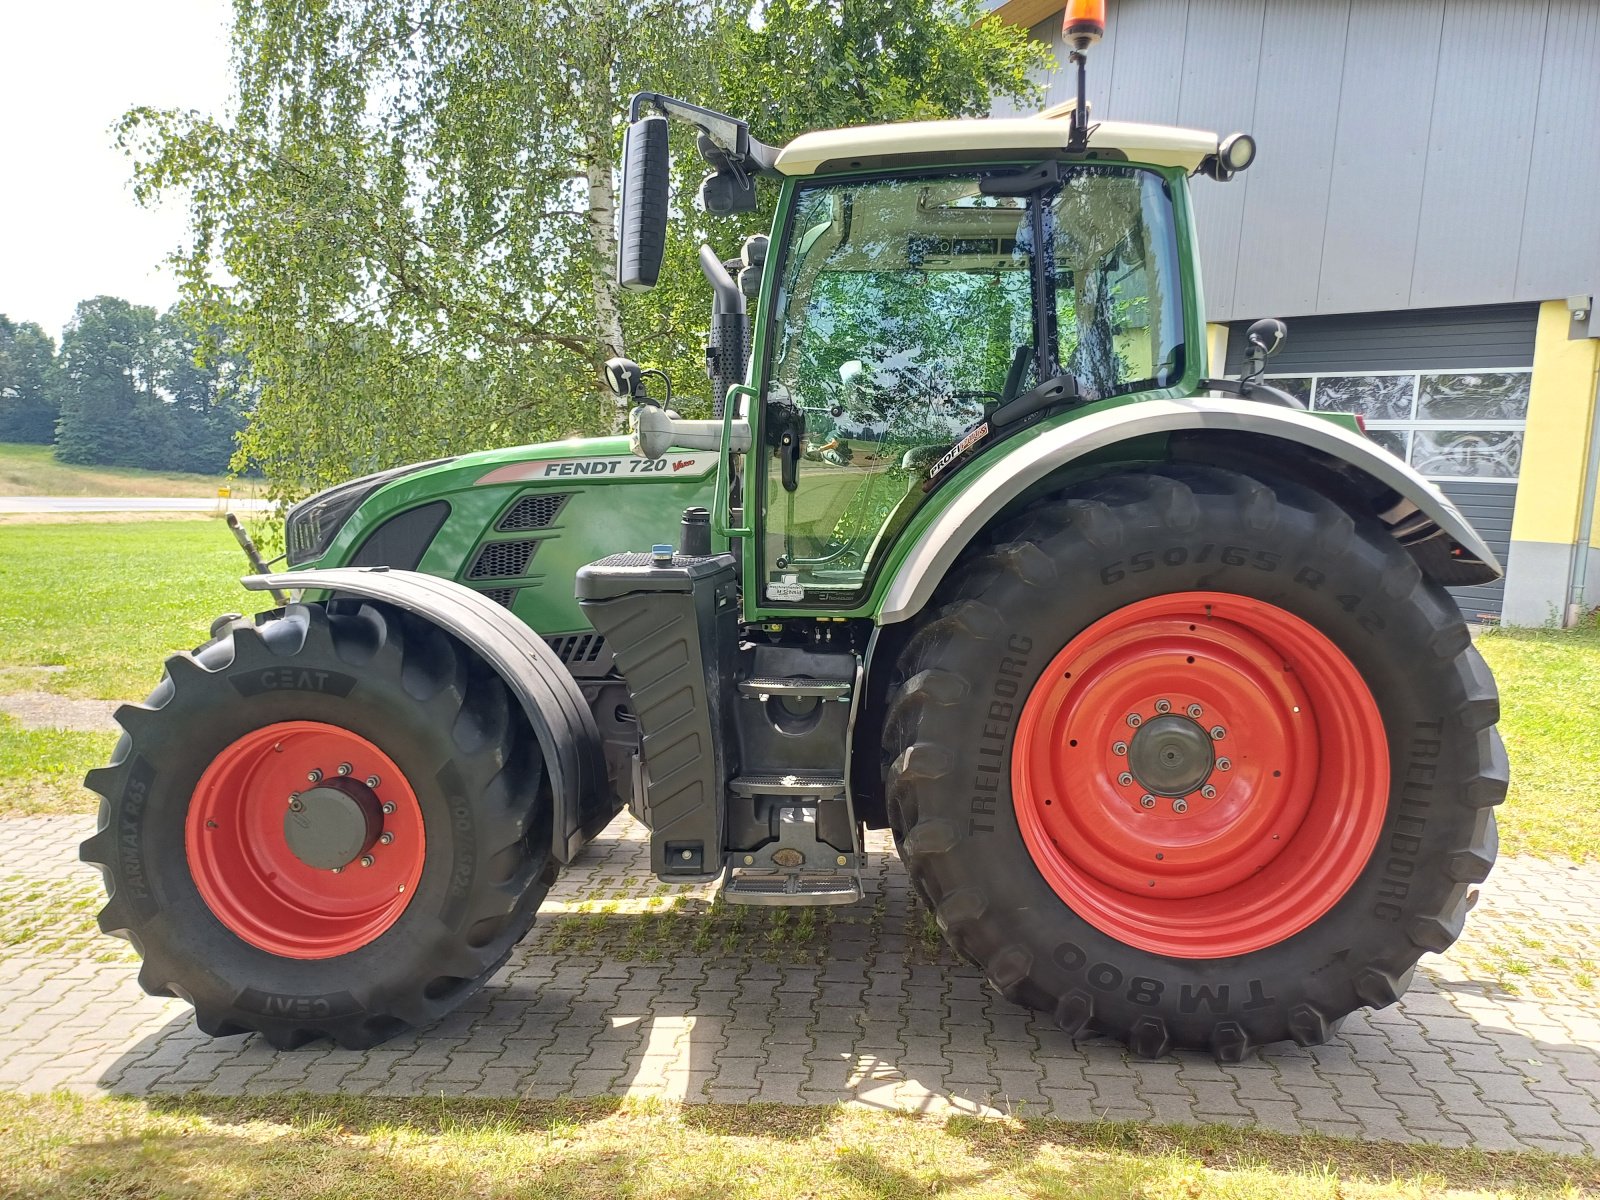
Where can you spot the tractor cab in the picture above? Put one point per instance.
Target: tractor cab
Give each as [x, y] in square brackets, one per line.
[931, 291]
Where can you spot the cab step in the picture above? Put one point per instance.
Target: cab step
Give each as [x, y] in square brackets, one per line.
[794, 888]
[798, 687]
[800, 783]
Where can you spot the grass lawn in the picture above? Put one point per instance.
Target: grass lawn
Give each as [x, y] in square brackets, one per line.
[1550, 719]
[108, 602]
[41, 770]
[34, 471]
[296, 1147]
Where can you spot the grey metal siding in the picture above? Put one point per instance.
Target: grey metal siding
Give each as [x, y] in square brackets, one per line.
[1464, 339]
[1413, 152]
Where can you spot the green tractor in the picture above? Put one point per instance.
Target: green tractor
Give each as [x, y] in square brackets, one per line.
[1152, 674]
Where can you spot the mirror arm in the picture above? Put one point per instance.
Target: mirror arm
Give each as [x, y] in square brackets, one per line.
[731, 135]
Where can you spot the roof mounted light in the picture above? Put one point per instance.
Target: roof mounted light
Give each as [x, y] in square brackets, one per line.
[1083, 23]
[1237, 151]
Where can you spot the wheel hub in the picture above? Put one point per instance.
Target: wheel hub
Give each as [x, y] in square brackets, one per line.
[333, 824]
[1170, 755]
[305, 839]
[1200, 774]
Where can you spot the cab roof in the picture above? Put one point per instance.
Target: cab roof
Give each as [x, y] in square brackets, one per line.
[990, 139]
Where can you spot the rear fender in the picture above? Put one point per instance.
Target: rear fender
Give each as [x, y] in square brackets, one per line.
[1356, 473]
[556, 709]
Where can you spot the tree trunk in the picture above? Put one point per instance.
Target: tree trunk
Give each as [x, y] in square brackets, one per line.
[602, 266]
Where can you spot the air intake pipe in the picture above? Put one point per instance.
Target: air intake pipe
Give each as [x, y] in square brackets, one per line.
[729, 347]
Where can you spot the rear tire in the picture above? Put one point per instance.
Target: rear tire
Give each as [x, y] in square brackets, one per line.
[1131, 904]
[212, 887]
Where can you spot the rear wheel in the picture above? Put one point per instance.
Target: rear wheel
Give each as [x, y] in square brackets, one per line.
[1233, 768]
[331, 823]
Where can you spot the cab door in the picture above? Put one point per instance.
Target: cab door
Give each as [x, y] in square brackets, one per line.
[899, 309]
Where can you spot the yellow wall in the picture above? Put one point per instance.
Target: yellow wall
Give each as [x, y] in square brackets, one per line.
[1216, 350]
[1555, 450]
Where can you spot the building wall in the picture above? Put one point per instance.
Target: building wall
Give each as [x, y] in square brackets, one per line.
[1414, 153]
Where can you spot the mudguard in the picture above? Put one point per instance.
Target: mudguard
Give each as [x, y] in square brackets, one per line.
[1418, 511]
[556, 709]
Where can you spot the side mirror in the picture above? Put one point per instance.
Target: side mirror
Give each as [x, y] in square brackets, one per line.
[646, 173]
[1267, 335]
[1265, 338]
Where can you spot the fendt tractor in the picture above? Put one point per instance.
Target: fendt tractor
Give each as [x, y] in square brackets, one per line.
[1151, 673]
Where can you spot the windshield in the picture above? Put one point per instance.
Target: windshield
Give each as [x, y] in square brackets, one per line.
[910, 308]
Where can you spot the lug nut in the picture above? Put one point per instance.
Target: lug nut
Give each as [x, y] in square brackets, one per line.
[388, 807]
[344, 768]
[338, 870]
[1147, 801]
[1194, 710]
[372, 781]
[1209, 792]
[294, 803]
[1125, 779]
[1163, 706]
[1119, 747]
[1218, 732]
[366, 860]
[1180, 805]
[1135, 720]
[386, 838]
[314, 775]
[1224, 765]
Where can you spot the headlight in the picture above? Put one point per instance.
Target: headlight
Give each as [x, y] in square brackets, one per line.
[312, 524]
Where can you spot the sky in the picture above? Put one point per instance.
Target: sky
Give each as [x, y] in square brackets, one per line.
[69, 225]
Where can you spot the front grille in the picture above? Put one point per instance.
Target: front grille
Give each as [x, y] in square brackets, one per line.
[534, 511]
[503, 560]
[584, 654]
[501, 596]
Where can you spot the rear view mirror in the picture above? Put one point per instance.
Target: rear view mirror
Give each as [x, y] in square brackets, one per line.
[646, 173]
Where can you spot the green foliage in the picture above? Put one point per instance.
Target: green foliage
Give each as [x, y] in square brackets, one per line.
[30, 383]
[406, 223]
[138, 390]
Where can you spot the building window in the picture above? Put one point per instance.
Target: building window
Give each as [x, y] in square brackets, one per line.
[1450, 425]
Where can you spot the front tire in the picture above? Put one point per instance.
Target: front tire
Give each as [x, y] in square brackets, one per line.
[331, 822]
[1194, 759]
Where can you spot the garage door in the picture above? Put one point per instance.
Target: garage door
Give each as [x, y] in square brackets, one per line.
[1444, 389]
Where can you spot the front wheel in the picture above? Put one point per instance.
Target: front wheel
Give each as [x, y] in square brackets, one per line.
[332, 822]
[1195, 760]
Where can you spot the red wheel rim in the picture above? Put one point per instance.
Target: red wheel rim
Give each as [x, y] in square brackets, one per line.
[1298, 780]
[250, 875]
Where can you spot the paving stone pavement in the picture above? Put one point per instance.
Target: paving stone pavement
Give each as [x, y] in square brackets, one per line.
[632, 987]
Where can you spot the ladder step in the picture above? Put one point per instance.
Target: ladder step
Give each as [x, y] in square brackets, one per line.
[831, 689]
[797, 889]
[809, 783]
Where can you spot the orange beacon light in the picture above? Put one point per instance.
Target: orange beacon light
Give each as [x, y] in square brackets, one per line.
[1084, 23]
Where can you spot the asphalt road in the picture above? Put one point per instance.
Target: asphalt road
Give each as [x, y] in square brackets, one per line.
[72, 504]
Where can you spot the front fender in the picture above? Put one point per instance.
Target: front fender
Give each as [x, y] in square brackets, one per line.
[1417, 510]
[556, 709]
